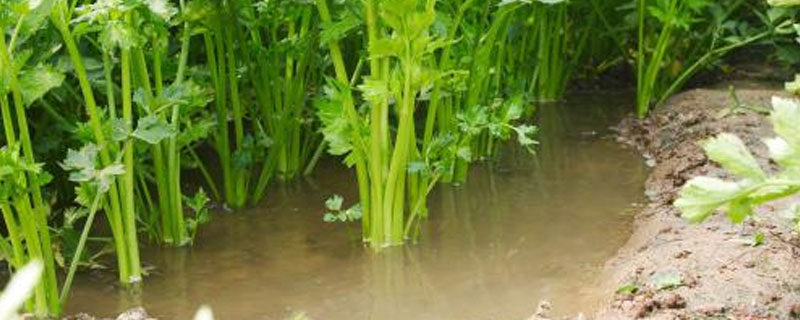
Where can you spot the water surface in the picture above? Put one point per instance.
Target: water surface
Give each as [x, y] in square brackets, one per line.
[525, 229]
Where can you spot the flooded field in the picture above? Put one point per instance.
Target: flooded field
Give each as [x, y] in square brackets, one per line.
[524, 229]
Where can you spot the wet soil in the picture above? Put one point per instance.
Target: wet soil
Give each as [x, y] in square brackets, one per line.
[716, 270]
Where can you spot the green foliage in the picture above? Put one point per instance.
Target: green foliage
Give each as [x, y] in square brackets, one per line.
[337, 129]
[199, 205]
[702, 196]
[758, 240]
[338, 214]
[628, 289]
[410, 93]
[678, 38]
[14, 172]
[36, 82]
[83, 167]
[153, 130]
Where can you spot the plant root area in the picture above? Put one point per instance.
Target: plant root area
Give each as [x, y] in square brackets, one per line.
[671, 269]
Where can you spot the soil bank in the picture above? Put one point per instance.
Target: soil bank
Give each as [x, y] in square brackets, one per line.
[719, 273]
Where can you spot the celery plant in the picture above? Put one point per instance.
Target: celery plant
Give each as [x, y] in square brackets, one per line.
[21, 200]
[396, 171]
[94, 183]
[116, 33]
[702, 196]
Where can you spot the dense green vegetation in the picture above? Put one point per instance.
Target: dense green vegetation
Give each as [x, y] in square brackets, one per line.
[702, 196]
[112, 108]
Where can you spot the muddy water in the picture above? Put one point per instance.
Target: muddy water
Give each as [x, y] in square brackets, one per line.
[522, 230]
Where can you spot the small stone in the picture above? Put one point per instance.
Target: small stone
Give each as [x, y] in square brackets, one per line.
[80, 316]
[641, 310]
[683, 254]
[626, 305]
[710, 309]
[794, 312]
[672, 301]
[137, 313]
[542, 311]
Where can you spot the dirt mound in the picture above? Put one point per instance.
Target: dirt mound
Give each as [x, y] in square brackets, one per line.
[715, 269]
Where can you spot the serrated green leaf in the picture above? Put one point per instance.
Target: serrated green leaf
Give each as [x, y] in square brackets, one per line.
[153, 130]
[105, 177]
[162, 9]
[334, 203]
[702, 195]
[329, 217]
[73, 214]
[84, 158]
[36, 82]
[119, 130]
[116, 34]
[730, 152]
[739, 210]
[525, 136]
[196, 132]
[336, 128]
[337, 30]
[198, 202]
[36, 17]
[785, 117]
[375, 91]
[386, 47]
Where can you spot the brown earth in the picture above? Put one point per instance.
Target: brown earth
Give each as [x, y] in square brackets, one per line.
[718, 272]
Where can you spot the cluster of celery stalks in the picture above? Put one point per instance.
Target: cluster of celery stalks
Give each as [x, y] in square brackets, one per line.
[243, 92]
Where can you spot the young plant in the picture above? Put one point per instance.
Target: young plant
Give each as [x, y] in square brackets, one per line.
[678, 38]
[286, 72]
[27, 234]
[337, 213]
[111, 16]
[94, 183]
[21, 199]
[702, 196]
[546, 36]
[260, 67]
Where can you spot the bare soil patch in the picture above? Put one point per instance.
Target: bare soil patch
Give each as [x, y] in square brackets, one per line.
[714, 269]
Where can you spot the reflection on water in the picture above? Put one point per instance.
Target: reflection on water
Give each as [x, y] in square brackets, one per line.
[522, 230]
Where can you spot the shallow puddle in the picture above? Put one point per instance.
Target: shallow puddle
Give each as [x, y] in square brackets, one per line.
[529, 228]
